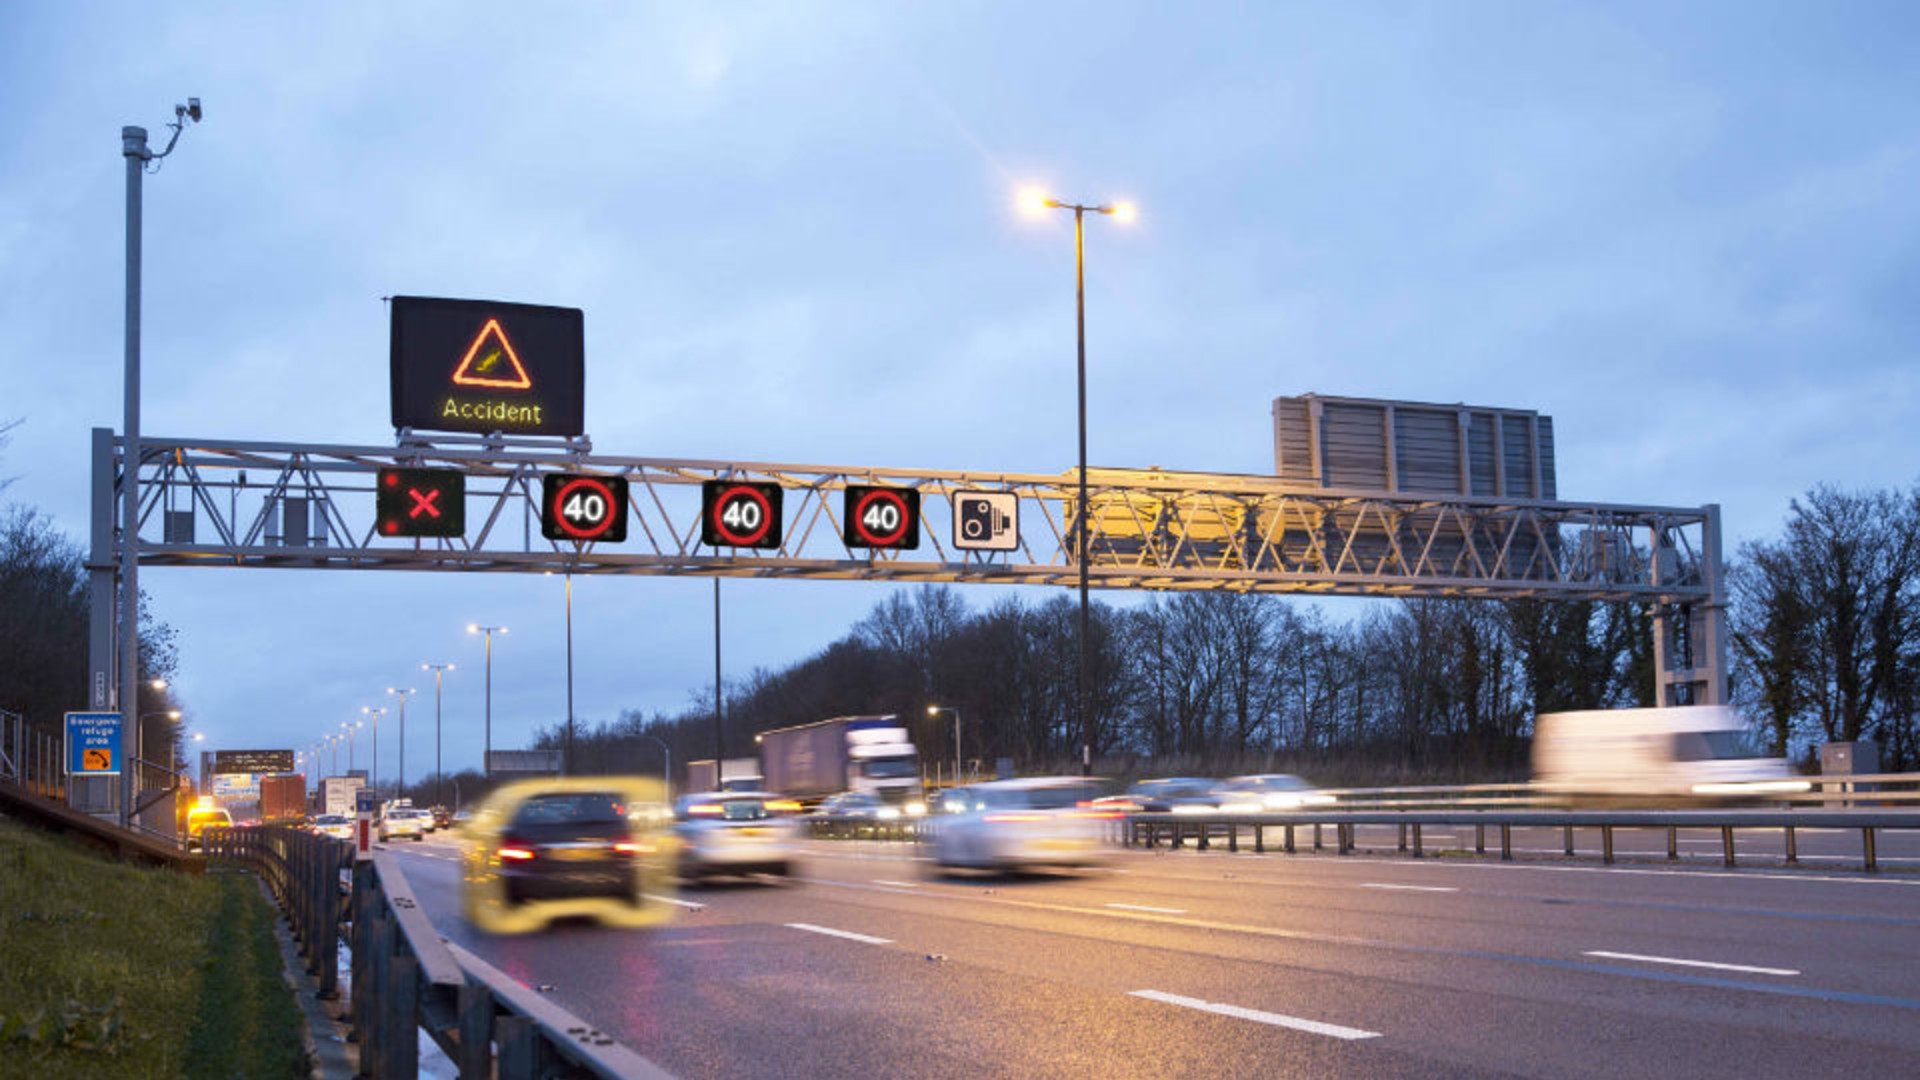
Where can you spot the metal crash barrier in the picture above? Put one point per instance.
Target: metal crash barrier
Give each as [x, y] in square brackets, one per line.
[1203, 831]
[405, 979]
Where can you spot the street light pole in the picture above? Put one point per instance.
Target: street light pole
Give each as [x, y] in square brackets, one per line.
[566, 764]
[1035, 200]
[486, 761]
[373, 776]
[133, 147]
[935, 710]
[403, 695]
[439, 778]
[719, 718]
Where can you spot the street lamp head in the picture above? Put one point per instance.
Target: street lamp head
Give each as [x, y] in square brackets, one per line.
[1033, 199]
[173, 714]
[473, 628]
[933, 710]
[1124, 212]
[158, 684]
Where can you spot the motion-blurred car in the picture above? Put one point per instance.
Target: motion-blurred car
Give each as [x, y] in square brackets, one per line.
[202, 817]
[953, 800]
[1273, 791]
[338, 826]
[857, 805]
[442, 817]
[403, 821]
[1013, 824]
[1177, 795]
[734, 832]
[544, 849]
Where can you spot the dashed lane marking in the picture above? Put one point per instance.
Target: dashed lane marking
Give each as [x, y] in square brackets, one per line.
[1312, 1027]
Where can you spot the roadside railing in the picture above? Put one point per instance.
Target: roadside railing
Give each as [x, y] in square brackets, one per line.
[1831, 790]
[832, 827]
[405, 978]
[30, 759]
[1203, 831]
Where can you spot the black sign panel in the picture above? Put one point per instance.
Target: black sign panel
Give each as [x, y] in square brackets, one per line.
[583, 508]
[881, 517]
[739, 513]
[421, 502]
[252, 761]
[479, 365]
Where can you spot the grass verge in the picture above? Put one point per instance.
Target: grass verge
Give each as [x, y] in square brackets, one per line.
[111, 970]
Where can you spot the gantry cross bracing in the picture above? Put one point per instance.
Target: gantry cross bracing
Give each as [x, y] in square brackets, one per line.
[210, 502]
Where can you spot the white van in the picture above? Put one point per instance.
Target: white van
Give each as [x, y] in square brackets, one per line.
[1680, 752]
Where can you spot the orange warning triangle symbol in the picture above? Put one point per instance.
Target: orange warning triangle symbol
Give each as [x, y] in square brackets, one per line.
[491, 361]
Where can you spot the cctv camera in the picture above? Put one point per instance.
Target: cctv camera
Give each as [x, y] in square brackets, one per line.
[193, 108]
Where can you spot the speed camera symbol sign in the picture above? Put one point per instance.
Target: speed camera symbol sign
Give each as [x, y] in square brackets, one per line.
[739, 513]
[584, 508]
[881, 517]
[986, 520]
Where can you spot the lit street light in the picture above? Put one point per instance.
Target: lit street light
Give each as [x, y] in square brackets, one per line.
[1034, 201]
[486, 760]
[439, 778]
[403, 695]
[936, 710]
[348, 729]
[373, 774]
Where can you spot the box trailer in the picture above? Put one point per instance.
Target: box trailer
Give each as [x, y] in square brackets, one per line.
[848, 753]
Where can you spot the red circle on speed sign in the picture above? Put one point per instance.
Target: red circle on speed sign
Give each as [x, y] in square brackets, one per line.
[901, 520]
[595, 528]
[721, 511]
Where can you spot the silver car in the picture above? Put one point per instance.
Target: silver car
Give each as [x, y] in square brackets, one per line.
[735, 832]
[1010, 824]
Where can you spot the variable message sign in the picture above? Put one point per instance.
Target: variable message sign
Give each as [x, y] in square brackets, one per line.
[483, 366]
[252, 761]
[421, 502]
[583, 508]
[740, 513]
[881, 517]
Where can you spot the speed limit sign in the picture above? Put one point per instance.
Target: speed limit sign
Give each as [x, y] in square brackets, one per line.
[881, 517]
[739, 513]
[584, 508]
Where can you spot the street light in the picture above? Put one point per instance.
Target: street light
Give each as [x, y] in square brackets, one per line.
[133, 147]
[566, 753]
[486, 760]
[936, 710]
[373, 774]
[439, 778]
[347, 730]
[403, 695]
[1034, 200]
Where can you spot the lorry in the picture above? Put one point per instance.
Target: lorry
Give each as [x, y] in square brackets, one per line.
[870, 754]
[337, 794]
[735, 774]
[283, 798]
[1683, 753]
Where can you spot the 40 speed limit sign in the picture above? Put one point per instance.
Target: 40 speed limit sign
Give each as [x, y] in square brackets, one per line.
[740, 513]
[583, 508]
[881, 517]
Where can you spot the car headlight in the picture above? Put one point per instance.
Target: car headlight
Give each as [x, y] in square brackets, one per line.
[887, 813]
[916, 809]
[1192, 808]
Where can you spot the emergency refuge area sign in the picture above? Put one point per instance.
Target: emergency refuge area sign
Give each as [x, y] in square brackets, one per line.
[483, 366]
[93, 743]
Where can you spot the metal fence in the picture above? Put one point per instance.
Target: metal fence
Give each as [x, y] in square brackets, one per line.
[406, 979]
[1149, 830]
[30, 758]
[1839, 790]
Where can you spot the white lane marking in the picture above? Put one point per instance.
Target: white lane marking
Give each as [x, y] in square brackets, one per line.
[848, 934]
[897, 884]
[688, 904]
[1408, 888]
[1689, 963]
[1313, 1027]
[1155, 910]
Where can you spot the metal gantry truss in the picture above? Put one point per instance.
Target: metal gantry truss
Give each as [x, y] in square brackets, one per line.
[232, 503]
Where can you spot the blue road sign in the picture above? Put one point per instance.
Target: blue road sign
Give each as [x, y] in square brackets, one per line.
[93, 744]
[365, 800]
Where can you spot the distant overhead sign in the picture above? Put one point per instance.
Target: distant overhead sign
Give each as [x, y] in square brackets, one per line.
[583, 508]
[482, 365]
[252, 761]
[543, 762]
[421, 502]
[881, 517]
[740, 513]
[986, 520]
[93, 743]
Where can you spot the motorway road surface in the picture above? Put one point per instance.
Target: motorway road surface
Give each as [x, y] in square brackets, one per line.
[1212, 964]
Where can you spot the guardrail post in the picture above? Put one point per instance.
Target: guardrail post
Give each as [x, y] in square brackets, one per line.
[1416, 840]
[1866, 848]
[376, 1047]
[518, 1048]
[1479, 839]
[1175, 844]
[1506, 843]
[1726, 842]
[1673, 844]
[1233, 837]
[358, 988]
[1793, 852]
[329, 897]
[1203, 831]
[1606, 844]
[401, 1057]
[1289, 839]
[475, 1005]
[1345, 838]
[1569, 838]
[1403, 838]
[1259, 846]
[1316, 836]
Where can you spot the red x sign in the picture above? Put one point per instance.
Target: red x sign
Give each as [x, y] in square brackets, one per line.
[423, 502]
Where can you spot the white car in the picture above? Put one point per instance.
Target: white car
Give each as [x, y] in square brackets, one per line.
[735, 832]
[1271, 791]
[1009, 824]
[404, 821]
[338, 826]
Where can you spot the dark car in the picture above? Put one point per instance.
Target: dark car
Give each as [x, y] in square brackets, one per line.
[442, 817]
[567, 845]
[1172, 793]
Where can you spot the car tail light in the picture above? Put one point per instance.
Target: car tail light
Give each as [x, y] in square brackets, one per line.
[705, 809]
[1016, 817]
[632, 847]
[516, 853]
